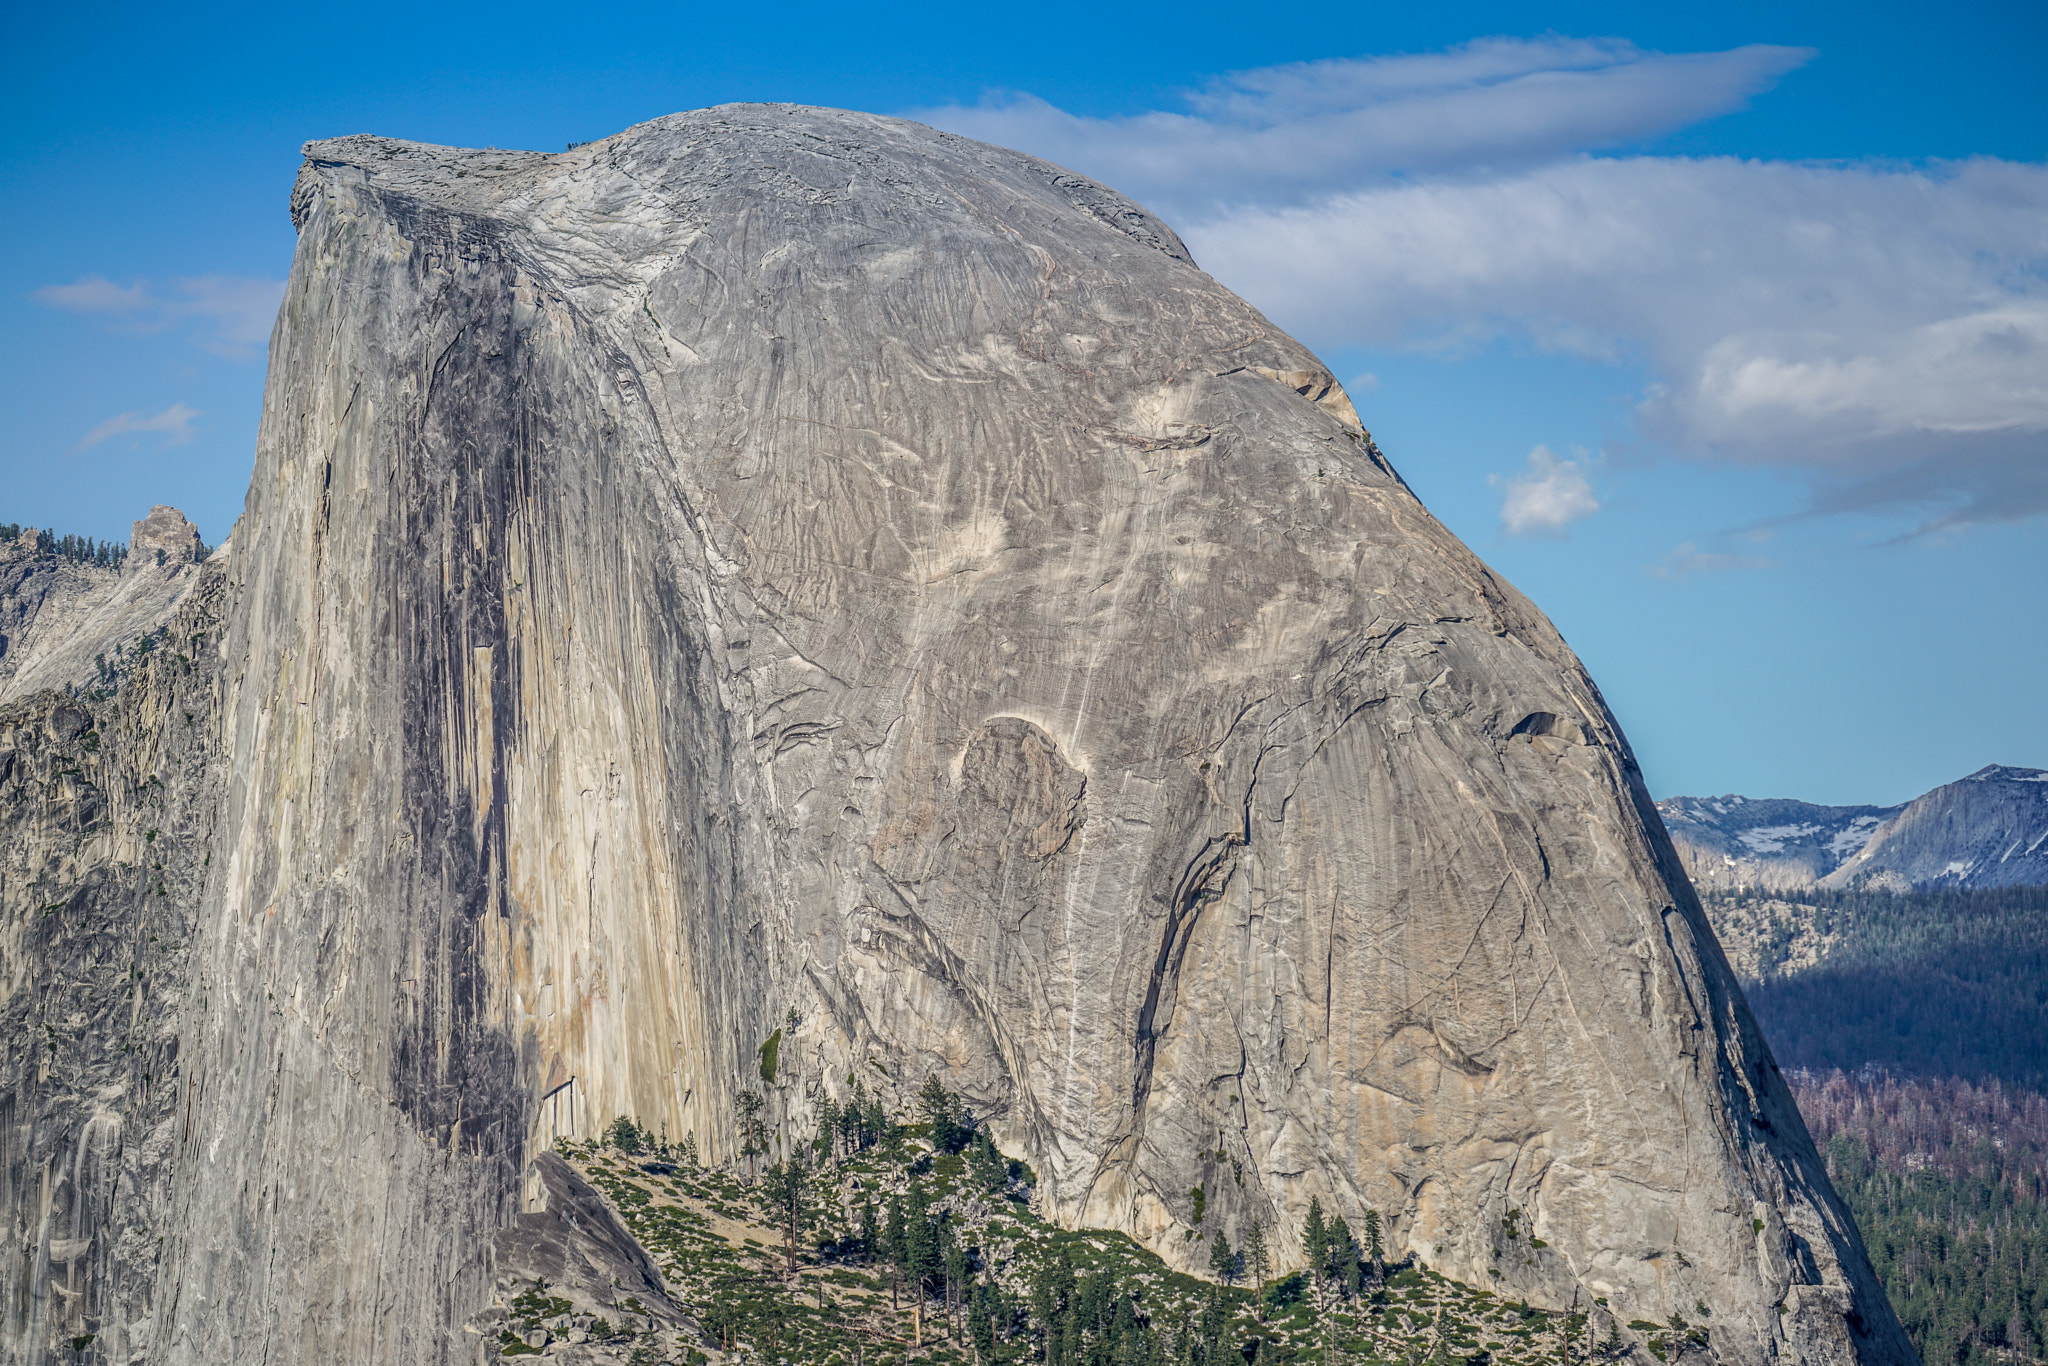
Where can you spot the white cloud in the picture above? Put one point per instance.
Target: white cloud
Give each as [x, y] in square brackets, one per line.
[94, 294]
[1546, 498]
[1287, 133]
[1688, 559]
[229, 315]
[1882, 329]
[175, 422]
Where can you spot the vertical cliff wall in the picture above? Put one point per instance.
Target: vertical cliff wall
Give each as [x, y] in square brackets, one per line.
[107, 825]
[787, 574]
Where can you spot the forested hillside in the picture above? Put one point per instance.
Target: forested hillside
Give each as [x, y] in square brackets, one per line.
[1949, 1184]
[883, 1243]
[1914, 1030]
[1932, 984]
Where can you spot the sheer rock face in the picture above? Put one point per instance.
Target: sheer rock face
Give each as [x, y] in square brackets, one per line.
[107, 807]
[787, 569]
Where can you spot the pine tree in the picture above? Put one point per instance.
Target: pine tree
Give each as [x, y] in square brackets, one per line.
[788, 1193]
[981, 1327]
[827, 1141]
[1222, 1259]
[753, 1133]
[852, 1117]
[1255, 1261]
[1344, 1255]
[1315, 1240]
[875, 1120]
[921, 1251]
[1215, 1324]
[1375, 1251]
[956, 1276]
[990, 1171]
[896, 1246]
[938, 1106]
[1044, 1305]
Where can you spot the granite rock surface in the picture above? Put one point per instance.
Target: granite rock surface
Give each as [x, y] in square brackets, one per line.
[779, 594]
[75, 626]
[107, 807]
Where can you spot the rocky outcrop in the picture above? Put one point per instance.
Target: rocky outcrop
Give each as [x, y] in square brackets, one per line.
[569, 1247]
[75, 625]
[782, 593]
[106, 835]
[1987, 830]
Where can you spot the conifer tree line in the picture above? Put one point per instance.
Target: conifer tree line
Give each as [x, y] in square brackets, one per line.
[86, 550]
[76, 549]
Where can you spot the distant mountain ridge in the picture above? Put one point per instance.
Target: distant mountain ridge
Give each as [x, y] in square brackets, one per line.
[1989, 829]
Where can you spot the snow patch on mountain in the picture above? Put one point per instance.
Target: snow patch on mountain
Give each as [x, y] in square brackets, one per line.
[1986, 830]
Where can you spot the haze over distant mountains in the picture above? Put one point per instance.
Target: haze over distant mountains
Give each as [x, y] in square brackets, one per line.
[1989, 829]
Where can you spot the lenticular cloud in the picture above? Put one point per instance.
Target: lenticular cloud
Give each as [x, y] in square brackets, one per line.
[1287, 134]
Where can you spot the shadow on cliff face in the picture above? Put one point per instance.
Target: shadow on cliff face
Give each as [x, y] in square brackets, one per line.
[568, 1247]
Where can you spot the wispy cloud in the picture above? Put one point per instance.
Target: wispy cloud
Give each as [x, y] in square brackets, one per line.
[1286, 134]
[1688, 559]
[175, 422]
[95, 294]
[229, 315]
[1545, 498]
[1881, 329]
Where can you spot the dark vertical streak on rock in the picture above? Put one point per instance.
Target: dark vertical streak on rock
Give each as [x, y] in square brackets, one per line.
[467, 457]
[1206, 877]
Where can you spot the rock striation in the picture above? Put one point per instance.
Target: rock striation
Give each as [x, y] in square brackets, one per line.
[107, 806]
[781, 594]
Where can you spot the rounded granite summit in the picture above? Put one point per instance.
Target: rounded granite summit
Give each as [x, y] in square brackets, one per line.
[783, 572]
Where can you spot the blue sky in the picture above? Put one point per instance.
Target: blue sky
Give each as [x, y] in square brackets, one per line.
[1723, 333]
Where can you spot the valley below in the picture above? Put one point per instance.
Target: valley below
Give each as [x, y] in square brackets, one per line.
[1913, 1028]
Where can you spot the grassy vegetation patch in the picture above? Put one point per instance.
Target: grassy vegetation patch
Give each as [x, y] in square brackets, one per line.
[883, 1246]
